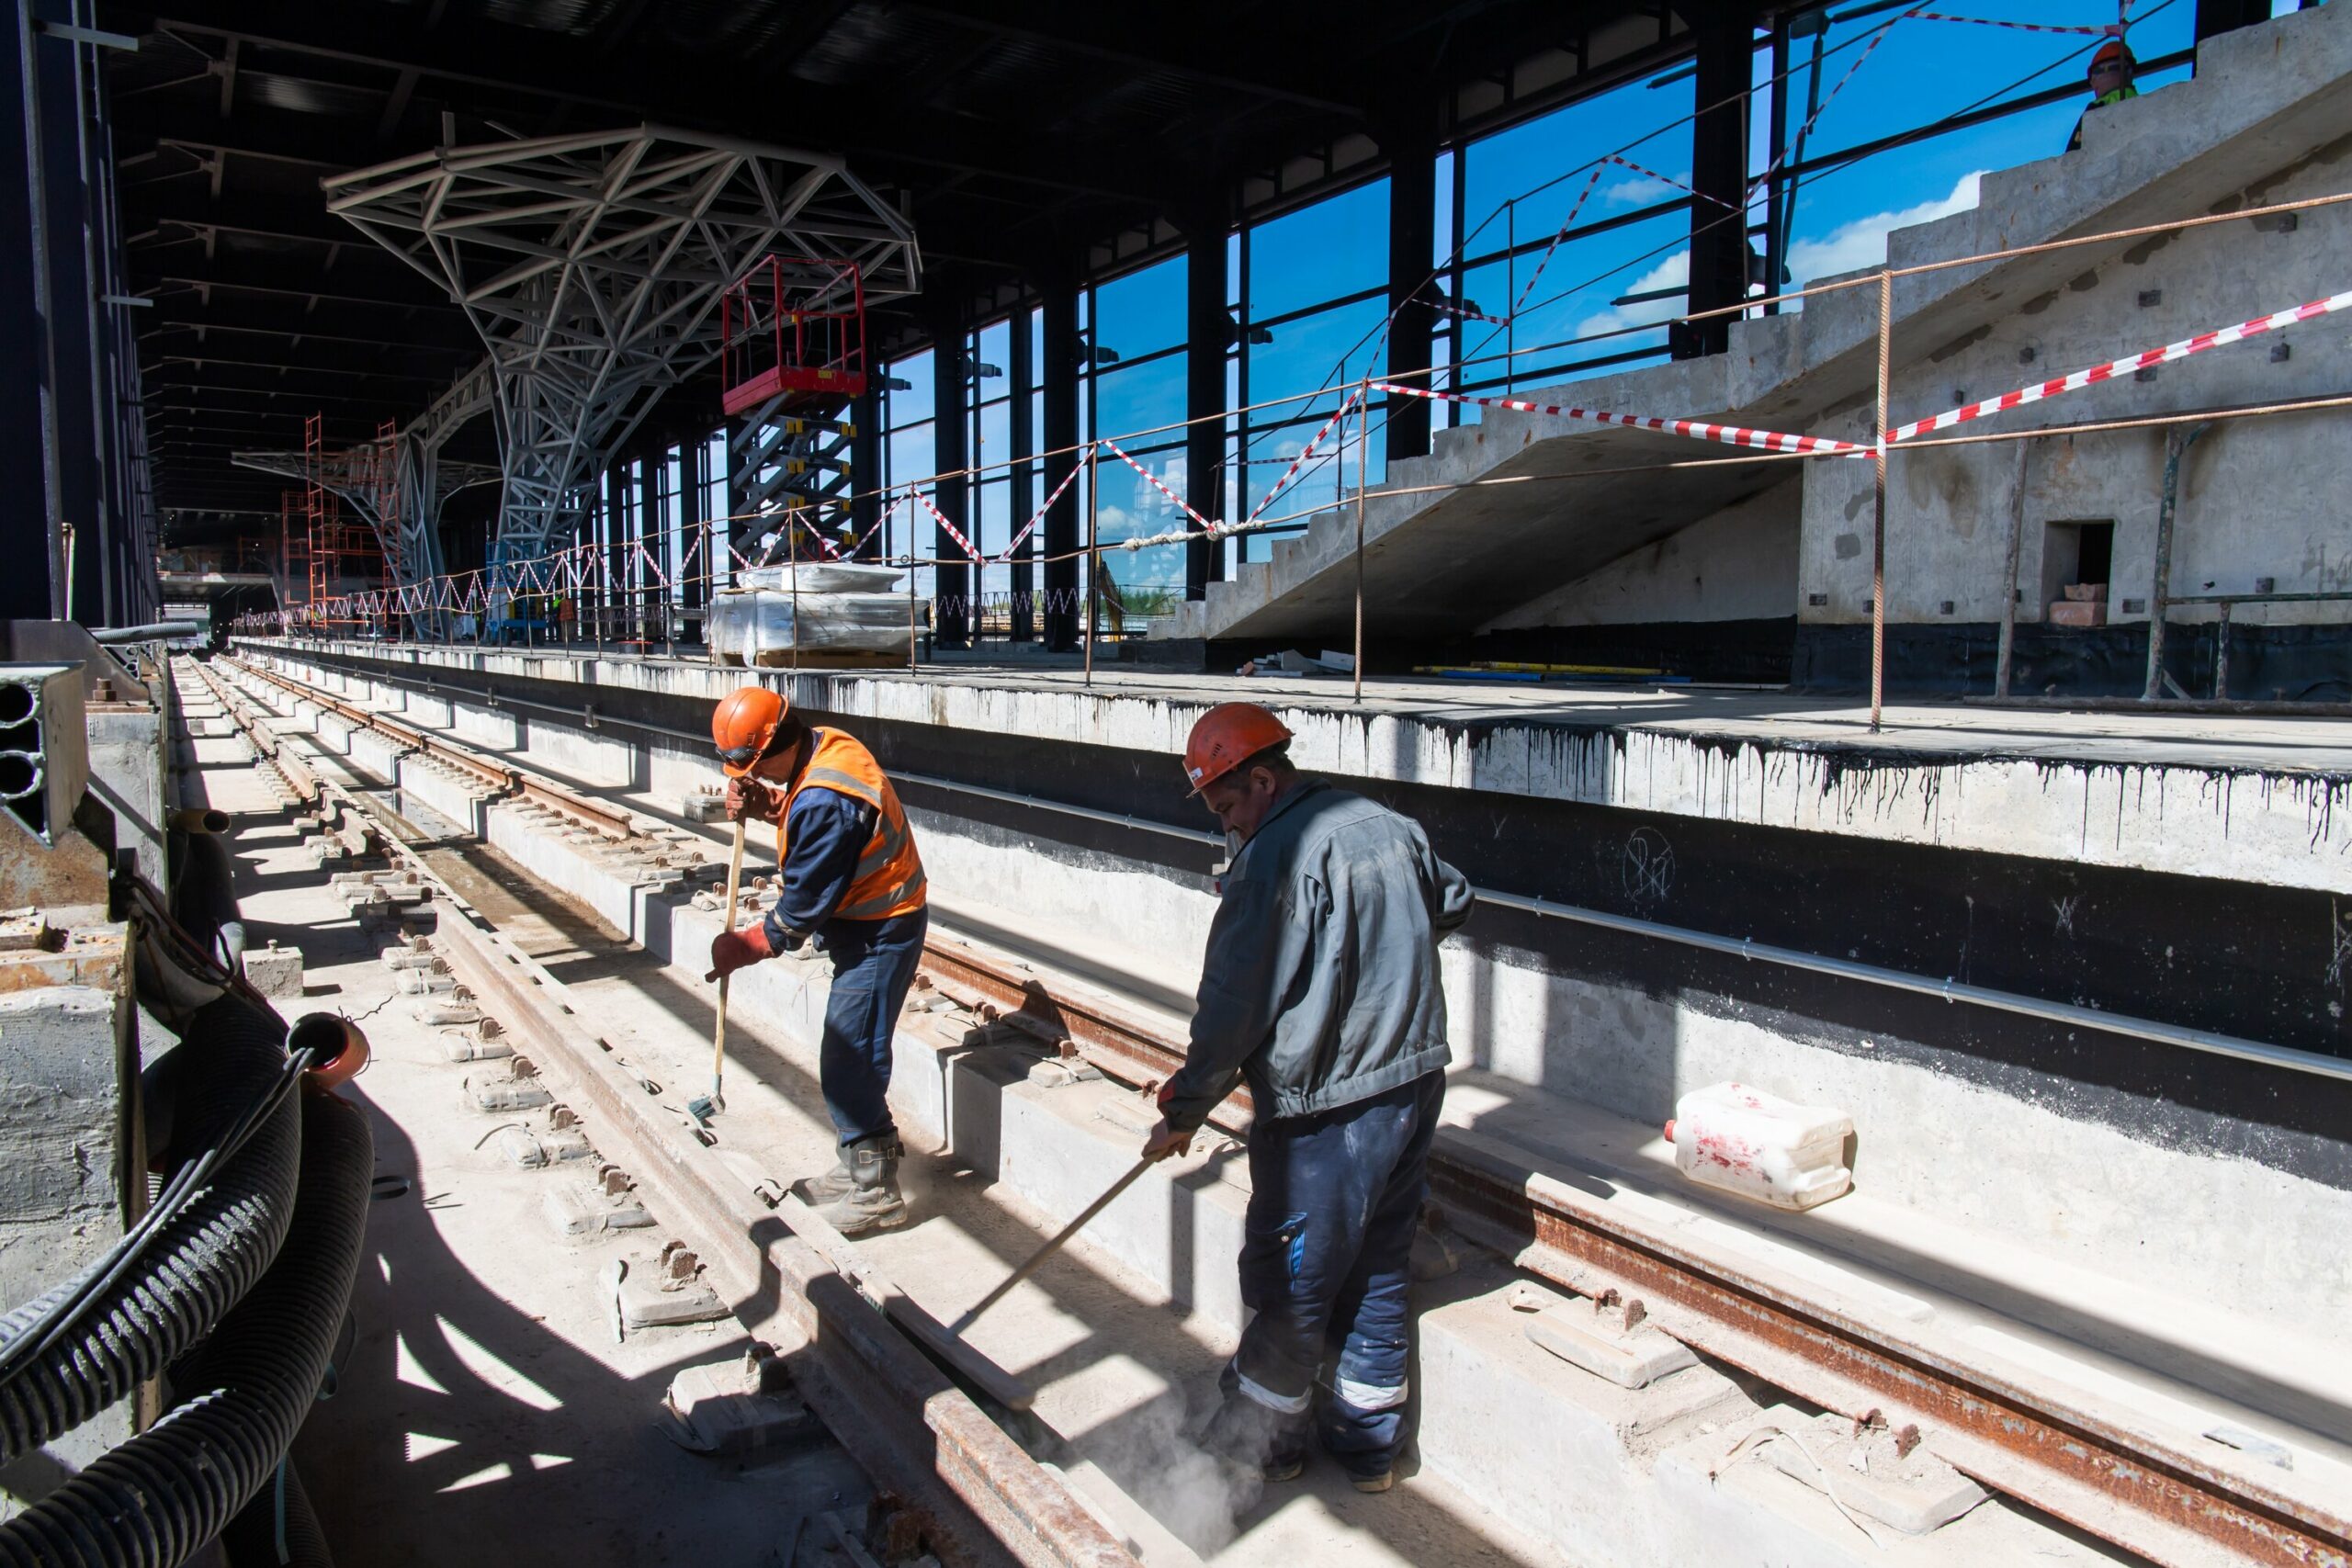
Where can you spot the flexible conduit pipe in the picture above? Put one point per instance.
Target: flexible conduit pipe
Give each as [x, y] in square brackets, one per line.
[204, 897]
[282, 1506]
[199, 1265]
[153, 1501]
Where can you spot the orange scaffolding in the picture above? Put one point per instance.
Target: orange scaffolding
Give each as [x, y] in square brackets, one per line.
[344, 556]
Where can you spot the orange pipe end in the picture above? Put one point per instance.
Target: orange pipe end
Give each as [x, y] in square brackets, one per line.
[338, 1045]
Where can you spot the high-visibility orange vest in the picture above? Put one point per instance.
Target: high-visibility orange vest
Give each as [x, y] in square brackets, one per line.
[889, 878]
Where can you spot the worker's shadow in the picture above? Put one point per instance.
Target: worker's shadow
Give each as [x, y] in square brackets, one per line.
[456, 1409]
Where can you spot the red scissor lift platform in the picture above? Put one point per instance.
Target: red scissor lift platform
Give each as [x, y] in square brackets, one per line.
[793, 327]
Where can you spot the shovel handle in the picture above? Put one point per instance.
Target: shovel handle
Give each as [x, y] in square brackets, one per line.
[719, 1028]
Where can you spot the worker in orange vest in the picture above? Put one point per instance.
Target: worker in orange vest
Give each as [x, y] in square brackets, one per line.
[853, 885]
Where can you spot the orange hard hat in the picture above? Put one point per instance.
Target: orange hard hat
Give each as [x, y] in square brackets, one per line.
[2114, 51]
[1228, 736]
[744, 722]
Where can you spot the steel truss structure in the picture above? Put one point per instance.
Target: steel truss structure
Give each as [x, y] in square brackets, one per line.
[593, 267]
[398, 483]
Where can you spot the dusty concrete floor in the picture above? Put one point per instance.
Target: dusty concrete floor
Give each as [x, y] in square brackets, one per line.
[482, 1413]
[1120, 1375]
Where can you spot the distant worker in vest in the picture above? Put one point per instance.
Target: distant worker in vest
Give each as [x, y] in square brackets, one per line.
[853, 885]
[1319, 988]
[2111, 76]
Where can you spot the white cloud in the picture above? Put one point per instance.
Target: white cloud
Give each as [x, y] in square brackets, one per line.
[1641, 190]
[1862, 242]
[1674, 272]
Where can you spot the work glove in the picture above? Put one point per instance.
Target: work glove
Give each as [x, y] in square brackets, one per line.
[747, 798]
[730, 951]
[1165, 1139]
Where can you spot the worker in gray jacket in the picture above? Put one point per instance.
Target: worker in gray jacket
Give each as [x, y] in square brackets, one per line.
[1320, 988]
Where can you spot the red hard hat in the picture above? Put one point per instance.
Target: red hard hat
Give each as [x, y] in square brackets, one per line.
[744, 722]
[1228, 736]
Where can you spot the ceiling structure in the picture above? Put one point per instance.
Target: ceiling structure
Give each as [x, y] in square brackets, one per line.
[1023, 138]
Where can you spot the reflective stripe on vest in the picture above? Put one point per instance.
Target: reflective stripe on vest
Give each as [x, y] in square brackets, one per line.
[889, 879]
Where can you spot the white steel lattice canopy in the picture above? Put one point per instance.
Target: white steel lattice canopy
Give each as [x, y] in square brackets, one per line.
[592, 265]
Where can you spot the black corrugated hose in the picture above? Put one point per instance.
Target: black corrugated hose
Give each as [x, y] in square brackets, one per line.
[279, 1516]
[203, 895]
[241, 1396]
[195, 1267]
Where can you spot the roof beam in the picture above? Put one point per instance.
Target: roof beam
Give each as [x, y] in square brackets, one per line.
[663, 85]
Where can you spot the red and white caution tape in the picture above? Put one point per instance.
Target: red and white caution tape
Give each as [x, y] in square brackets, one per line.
[1153, 480]
[1545, 260]
[1068, 479]
[1296, 463]
[2114, 367]
[953, 532]
[1698, 430]
[2111, 29]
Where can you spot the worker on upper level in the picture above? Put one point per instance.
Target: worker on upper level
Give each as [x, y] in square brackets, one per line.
[1320, 988]
[853, 885]
[2110, 77]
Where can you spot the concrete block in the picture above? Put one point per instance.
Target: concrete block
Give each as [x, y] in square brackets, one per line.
[445, 1010]
[583, 1212]
[647, 1303]
[698, 807]
[483, 1093]
[1872, 1473]
[532, 1150]
[424, 981]
[1598, 1338]
[1062, 1073]
[2077, 613]
[462, 1048]
[274, 971]
[733, 1407]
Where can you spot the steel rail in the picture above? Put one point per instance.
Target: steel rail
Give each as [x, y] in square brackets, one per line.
[2070, 1015]
[2093, 1470]
[984, 1500]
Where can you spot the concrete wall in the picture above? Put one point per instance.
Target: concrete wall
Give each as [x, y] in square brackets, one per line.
[65, 1056]
[1739, 564]
[2253, 494]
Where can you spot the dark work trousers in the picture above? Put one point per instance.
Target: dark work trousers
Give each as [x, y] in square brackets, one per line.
[1333, 1200]
[874, 962]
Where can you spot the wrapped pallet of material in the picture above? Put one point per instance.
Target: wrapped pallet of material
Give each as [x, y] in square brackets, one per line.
[824, 577]
[757, 625]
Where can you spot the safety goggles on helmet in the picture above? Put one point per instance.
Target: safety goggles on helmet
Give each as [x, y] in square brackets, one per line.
[739, 756]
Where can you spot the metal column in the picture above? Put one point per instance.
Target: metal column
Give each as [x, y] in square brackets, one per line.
[1208, 333]
[1061, 527]
[1410, 142]
[952, 583]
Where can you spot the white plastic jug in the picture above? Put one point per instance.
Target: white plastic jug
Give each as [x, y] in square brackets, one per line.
[1759, 1145]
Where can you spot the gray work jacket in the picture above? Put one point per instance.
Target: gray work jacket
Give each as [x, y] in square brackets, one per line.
[1320, 985]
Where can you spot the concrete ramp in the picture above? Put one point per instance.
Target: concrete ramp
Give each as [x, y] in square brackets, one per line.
[2266, 100]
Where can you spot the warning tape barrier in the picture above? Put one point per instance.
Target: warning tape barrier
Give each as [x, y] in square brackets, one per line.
[2111, 29]
[953, 532]
[2092, 376]
[1698, 430]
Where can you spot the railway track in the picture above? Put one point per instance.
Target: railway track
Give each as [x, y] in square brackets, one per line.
[2099, 1470]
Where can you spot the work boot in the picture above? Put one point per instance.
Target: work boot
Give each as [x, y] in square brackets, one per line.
[838, 1183]
[872, 1201]
[1245, 1433]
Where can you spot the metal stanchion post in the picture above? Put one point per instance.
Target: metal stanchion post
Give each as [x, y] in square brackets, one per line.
[912, 668]
[1093, 556]
[1363, 483]
[2001, 664]
[1878, 529]
[792, 527]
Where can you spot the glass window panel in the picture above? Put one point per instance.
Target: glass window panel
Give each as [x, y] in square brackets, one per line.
[1332, 248]
[1316, 359]
[1922, 70]
[1143, 312]
[1649, 125]
[1132, 508]
[1132, 399]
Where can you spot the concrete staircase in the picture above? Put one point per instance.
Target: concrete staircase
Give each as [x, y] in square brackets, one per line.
[2265, 98]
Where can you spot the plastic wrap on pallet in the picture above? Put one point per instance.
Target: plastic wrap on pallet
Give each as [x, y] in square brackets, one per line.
[755, 626]
[824, 577]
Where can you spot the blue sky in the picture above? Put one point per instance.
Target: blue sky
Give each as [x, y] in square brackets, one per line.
[1513, 188]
